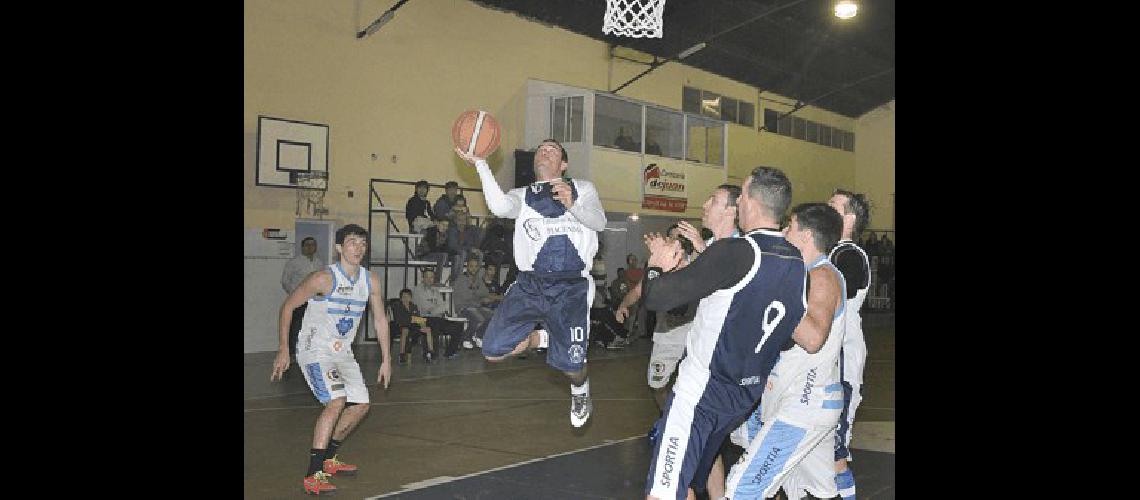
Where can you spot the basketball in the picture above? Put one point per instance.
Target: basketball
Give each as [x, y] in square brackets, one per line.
[476, 132]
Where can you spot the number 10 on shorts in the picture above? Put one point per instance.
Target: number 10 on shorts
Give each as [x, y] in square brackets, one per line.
[577, 334]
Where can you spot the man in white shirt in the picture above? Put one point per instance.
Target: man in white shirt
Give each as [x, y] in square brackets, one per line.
[295, 272]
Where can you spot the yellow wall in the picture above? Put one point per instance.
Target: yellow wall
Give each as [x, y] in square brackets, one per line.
[396, 93]
[875, 163]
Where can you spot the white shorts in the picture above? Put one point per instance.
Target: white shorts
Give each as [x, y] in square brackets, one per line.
[663, 362]
[330, 379]
[815, 474]
[777, 451]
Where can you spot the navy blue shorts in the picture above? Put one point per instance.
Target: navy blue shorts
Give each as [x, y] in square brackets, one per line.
[560, 303]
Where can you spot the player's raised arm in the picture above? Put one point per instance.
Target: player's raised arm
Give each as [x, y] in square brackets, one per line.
[823, 297]
[723, 265]
[319, 282]
[501, 204]
[380, 322]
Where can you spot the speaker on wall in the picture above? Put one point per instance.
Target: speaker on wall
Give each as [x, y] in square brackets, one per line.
[524, 167]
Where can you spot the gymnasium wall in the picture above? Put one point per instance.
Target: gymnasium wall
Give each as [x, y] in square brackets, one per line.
[875, 163]
[395, 94]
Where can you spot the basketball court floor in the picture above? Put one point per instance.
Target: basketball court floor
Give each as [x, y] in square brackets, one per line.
[468, 429]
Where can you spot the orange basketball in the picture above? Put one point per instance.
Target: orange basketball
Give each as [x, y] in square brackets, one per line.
[476, 132]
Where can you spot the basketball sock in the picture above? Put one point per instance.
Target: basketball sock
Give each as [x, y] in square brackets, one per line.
[845, 481]
[579, 390]
[316, 461]
[333, 445]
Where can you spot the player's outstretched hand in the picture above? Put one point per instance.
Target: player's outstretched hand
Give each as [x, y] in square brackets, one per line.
[280, 364]
[663, 253]
[384, 376]
[471, 159]
[562, 192]
[690, 233]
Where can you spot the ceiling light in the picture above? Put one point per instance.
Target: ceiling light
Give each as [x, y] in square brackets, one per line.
[846, 9]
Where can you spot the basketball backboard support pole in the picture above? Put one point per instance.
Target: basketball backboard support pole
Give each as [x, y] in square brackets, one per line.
[384, 18]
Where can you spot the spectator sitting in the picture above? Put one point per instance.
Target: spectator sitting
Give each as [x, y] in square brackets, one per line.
[491, 280]
[433, 246]
[462, 241]
[651, 146]
[446, 200]
[459, 209]
[624, 141]
[495, 247]
[406, 315]
[431, 302]
[418, 209]
[471, 298]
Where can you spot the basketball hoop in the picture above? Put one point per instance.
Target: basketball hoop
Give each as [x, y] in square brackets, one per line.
[311, 188]
[634, 18]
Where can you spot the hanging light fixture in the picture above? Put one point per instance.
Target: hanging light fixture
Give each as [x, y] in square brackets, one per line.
[846, 9]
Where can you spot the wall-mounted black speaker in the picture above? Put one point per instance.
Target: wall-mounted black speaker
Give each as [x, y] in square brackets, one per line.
[524, 167]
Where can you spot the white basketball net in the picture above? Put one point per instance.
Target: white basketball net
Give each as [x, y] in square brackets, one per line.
[634, 18]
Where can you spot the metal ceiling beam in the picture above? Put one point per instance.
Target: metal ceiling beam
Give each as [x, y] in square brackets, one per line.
[384, 18]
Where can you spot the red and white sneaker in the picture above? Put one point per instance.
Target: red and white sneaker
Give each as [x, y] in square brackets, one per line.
[334, 467]
[318, 484]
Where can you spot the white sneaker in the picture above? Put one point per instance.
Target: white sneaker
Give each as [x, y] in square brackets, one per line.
[478, 342]
[543, 339]
[580, 406]
[468, 345]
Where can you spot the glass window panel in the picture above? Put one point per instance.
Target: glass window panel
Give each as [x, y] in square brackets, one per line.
[849, 141]
[710, 104]
[798, 126]
[770, 117]
[664, 132]
[690, 100]
[576, 119]
[728, 109]
[558, 119]
[716, 143]
[747, 114]
[825, 135]
[811, 132]
[837, 138]
[705, 140]
[785, 124]
[617, 123]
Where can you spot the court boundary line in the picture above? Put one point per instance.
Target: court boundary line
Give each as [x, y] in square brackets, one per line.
[438, 480]
[448, 401]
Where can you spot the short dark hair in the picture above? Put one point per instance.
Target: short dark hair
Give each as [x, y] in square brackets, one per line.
[856, 204]
[824, 222]
[772, 189]
[423, 183]
[733, 193]
[352, 229]
[565, 155]
[406, 290]
[686, 245]
[307, 238]
[451, 184]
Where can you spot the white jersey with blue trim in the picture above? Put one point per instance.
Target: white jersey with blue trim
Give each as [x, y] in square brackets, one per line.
[331, 320]
[804, 388]
[548, 238]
